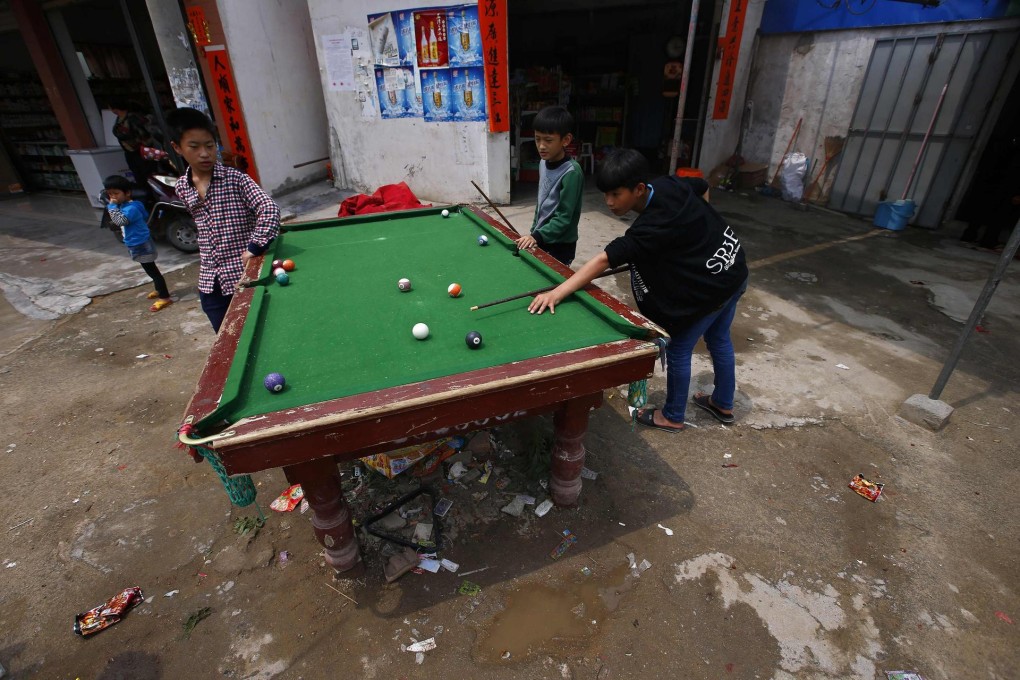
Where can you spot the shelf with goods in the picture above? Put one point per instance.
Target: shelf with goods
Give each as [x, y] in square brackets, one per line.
[599, 105]
[32, 134]
[133, 89]
[114, 73]
[531, 90]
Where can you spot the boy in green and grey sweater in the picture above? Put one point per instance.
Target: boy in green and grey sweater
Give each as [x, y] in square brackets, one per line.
[560, 187]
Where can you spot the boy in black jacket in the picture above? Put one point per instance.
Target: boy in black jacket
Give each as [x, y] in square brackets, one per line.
[687, 272]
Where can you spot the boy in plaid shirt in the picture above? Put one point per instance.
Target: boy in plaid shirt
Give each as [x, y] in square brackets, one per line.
[236, 219]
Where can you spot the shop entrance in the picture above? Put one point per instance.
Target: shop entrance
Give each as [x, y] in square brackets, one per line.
[95, 46]
[615, 66]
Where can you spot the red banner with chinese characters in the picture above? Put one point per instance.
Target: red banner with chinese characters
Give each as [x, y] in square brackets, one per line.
[230, 109]
[729, 48]
[492, 15]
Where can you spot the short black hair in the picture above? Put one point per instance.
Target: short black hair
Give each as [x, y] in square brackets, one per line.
[554, 120]
[119, 182]
[183, 119]
[623, 168]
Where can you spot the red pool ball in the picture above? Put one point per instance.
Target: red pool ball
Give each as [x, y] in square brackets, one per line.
[288, 265]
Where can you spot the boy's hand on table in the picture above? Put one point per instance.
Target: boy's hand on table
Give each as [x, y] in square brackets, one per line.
[245, 256]
[548, 300]
[526, 242]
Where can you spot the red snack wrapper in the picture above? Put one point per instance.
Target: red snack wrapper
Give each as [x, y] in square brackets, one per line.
[863, 487]
[105, 615]
[289, 499]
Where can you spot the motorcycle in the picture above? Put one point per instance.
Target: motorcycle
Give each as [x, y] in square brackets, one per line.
[169, 218]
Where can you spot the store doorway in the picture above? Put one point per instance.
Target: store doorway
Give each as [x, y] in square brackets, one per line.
[95, 44]
[613, 65]
[991, 206]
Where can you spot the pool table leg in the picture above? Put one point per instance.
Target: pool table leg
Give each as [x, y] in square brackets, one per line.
[320, 480]
[570, 423]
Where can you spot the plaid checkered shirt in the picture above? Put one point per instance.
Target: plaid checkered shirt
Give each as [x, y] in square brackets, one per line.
[235, 214]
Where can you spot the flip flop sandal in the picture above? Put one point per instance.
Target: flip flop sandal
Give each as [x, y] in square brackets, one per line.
[704, 401]
[152, 295]
[160, 304]
[647, 418]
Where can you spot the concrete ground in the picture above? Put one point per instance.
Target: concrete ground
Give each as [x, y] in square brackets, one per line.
[58, 259]
[763, 563]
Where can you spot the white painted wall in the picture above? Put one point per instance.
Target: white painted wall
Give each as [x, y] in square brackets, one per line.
[817, 77]
[437, 160]
[720, 137]
[276, 72]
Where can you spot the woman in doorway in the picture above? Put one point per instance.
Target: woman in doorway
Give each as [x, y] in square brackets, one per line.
[134, 131]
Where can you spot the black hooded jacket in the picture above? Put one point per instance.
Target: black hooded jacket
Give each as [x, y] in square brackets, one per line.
[685, 260]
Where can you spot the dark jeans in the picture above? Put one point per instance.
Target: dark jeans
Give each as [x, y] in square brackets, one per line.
[715, 328]
[564, 252]
[215, 305]
[157, 278]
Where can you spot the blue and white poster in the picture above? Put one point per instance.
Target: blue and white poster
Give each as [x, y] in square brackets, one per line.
[464, 37]
[393, 38]
[397, 96]
[403, 24]
[468, 93]
[436, 90]
[412, 93]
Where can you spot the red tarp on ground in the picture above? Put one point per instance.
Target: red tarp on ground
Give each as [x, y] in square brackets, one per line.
[385, 199]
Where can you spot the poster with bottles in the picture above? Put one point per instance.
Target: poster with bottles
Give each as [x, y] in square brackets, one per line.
[430, 32]
[401, 24]
[397, 96]
[436, 95]
[383, 36]
[468, 85]
[465, 37]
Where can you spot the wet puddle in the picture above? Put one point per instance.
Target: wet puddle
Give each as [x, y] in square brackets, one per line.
[540, 618]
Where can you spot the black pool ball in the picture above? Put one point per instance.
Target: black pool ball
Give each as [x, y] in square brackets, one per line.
[473, 339]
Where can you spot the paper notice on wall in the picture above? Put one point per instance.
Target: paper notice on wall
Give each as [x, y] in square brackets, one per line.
[336, 54]
[364, 71]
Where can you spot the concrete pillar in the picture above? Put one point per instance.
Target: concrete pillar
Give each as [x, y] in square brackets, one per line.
[78, 78]
[53, 73]
[174, 45]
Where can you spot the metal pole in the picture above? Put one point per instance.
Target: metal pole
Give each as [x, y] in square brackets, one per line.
[979, 308]
[927, 136]
[149, 86]
[713, 41]
[675, 151]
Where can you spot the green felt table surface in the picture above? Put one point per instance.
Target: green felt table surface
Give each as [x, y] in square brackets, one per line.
[342, 326]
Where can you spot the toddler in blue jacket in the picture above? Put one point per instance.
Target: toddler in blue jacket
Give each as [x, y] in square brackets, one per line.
[132, 218]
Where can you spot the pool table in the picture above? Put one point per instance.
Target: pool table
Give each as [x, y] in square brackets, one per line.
[358, 382]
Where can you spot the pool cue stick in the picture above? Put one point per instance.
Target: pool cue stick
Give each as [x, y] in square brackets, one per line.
[517, 250]
[609, 272]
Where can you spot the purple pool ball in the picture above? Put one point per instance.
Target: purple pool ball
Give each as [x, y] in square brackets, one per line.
[274, 382]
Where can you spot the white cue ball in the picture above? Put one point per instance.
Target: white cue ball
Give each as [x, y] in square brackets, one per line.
[446, 213]
[278, 271]
[420, 331]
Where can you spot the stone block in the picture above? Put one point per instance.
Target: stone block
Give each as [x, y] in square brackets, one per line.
[930, 413]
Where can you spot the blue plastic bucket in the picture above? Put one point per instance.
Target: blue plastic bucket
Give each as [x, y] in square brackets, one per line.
[894, 215]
